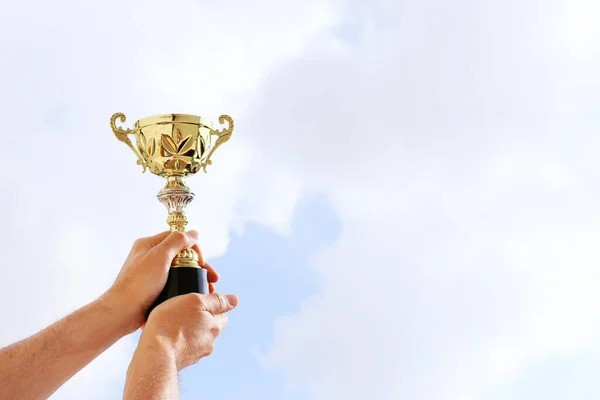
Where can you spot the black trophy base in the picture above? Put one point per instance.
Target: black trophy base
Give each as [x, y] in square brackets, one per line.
[182, 280]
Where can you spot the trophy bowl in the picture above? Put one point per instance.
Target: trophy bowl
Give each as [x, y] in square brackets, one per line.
[174, 146]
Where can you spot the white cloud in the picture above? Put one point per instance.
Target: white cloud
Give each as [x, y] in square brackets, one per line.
[577, 29]
[74, 200]
[459, 149]
[456, 142]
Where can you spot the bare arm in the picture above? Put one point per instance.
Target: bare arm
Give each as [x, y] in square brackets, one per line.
[179, 333]
[152, 374]
[36, 367]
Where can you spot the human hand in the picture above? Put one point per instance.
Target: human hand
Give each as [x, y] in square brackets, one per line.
[184, 328]
[145, 271]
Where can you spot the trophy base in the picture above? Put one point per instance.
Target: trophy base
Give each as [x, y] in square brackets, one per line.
[182, 280]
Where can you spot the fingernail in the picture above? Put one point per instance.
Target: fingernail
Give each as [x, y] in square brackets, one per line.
[192, 235]
[232, 299]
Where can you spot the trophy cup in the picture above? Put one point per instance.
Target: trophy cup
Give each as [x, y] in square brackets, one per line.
[174, 146]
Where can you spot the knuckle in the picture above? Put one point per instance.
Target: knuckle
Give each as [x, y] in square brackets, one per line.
[224, 321]
[139, 243]
[196, 300]
[220, 302]
[215, 330]
[209, 347]
[219, 323]
[178, 237]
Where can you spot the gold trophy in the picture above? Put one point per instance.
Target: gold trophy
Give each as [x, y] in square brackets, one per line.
[174, 146]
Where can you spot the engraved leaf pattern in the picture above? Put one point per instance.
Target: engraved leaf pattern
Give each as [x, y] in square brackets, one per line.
[173, 146]
[169, 144]
[202, 145]
[151, 147]
[155, 168]
[177, 135]
[142, 144]
[185, 145]
[175, 164]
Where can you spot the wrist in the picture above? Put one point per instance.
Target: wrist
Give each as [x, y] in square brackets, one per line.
[126, 315]
[158, 347]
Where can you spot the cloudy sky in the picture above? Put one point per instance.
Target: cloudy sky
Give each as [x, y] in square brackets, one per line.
[408, 208]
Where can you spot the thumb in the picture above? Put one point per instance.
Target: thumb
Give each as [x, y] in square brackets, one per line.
[166, 250]
[216, 303]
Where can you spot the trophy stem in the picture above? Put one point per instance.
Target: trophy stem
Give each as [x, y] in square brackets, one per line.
[185, 274]
[176, 195]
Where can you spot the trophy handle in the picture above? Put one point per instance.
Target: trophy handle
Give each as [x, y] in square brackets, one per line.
[121, 134]
[222, 137]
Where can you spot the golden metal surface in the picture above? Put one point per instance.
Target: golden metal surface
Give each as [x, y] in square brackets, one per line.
[222, 137]
[174, 146]
[122, 136]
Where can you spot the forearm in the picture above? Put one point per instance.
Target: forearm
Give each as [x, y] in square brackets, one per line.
[152, 374]
[36, 367]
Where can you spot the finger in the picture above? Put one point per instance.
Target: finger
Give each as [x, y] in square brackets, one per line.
[166, 250]
[156, 239]
[146, 243]
[201, 261]
[211, 288]
[221, 321]
[212, 275]
[216, 303]
[142, 245]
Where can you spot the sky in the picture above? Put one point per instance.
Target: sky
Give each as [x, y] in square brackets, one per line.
[407, 208]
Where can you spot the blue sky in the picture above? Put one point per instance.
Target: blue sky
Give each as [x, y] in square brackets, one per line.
[273, 276]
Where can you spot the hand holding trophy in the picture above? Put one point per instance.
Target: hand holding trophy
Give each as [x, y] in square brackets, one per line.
[175, 146]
